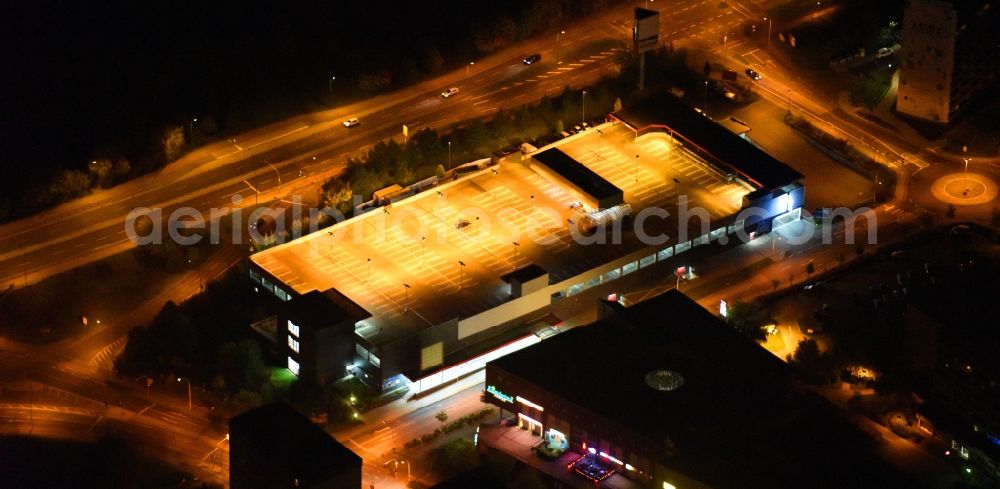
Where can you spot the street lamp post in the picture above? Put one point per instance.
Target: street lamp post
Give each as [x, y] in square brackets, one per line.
[467, 69]
[179, 379]
[965, 177]
[493, 189]
[583, 106]
[24, 260]
[449, 155]
[461, 274]
[276, 172]
[332, 78]
[516, 245]
[705, 109]
[331, 241]
[406, 297]
[768, 30]
[369, 279]
[423, 250]
[788, 98]
[560, 33]
[637, 168]
[191, 127]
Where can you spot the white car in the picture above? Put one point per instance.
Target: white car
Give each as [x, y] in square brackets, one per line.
[449, 92]
[353, 121]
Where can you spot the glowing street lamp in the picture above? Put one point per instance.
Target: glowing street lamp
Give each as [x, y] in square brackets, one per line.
[179, 379]
[560, 33]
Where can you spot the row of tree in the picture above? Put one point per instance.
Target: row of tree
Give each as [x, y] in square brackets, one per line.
[429, 152]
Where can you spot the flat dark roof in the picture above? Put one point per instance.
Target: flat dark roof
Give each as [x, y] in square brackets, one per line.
[325, 309]
[642, 13]
[524, 274]
[578, 174]
[737, 405]
[751, 162]
[717, 365]
[278, 432]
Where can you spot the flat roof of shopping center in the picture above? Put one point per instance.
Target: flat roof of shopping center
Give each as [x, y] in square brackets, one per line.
[475, 220]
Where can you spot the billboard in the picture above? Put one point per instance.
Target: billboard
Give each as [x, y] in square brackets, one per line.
[646, 30]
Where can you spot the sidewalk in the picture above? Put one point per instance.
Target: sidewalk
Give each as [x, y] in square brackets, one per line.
[408, 404]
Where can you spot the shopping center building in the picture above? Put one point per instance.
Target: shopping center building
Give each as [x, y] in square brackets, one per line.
[431, 287]
[667, 395]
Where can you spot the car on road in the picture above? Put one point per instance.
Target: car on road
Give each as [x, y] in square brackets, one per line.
[534, 58]
[818, 286]
[353, 121]
[449, 92]
[883, 52]
[752, 73]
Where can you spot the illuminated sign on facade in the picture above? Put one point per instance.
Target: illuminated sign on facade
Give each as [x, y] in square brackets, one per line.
[499, 395]
[529, 403]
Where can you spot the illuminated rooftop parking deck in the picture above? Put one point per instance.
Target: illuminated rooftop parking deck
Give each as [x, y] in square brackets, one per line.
[441, 254]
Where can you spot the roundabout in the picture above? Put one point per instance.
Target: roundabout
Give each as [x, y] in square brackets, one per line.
[964, 189]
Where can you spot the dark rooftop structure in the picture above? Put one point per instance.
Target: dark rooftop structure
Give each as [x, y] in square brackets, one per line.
[712, 139]
[719, 368]
[668, 380]
[581, 177]
[325, 309]
[524, 274]
[275, 446]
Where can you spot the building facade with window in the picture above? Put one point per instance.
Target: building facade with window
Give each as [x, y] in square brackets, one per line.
[949, 56]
